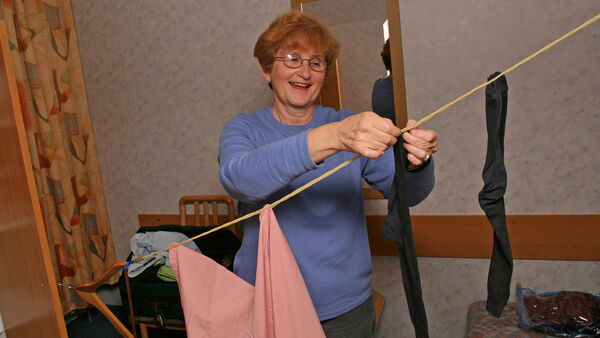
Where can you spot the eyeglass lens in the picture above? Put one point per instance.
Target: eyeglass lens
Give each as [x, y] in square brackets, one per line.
[295, 61]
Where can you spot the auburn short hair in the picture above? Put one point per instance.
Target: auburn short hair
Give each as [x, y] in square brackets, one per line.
[295, 29]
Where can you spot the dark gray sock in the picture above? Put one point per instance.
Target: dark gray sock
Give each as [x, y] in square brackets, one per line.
[491, 196]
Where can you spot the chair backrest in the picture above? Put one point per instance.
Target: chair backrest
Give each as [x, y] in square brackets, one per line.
[209, 214]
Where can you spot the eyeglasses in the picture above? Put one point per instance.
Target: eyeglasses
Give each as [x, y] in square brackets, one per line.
[316, 63]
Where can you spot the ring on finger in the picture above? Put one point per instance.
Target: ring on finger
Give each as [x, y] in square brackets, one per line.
[427, 157]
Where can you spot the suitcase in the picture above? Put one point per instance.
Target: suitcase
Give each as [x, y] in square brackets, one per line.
[157, 302]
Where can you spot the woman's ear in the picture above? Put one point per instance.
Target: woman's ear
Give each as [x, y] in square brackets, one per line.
[266, 75]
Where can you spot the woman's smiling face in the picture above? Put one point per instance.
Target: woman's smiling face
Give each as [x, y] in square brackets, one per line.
[295, 88]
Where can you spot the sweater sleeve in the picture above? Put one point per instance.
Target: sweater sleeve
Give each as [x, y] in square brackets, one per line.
[380, 173]
[420, 184]
[252, 168]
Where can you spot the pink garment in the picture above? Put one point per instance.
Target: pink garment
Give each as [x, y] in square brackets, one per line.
[217, 303]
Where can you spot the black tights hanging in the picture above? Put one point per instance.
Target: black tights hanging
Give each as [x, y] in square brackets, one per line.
[491, 196]
[398, 228]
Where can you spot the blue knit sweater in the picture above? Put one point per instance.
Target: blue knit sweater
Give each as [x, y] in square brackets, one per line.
[263, 160]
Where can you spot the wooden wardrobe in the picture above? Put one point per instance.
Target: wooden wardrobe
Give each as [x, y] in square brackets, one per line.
[29, 301]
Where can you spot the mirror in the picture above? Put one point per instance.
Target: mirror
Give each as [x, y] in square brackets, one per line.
[359, 26]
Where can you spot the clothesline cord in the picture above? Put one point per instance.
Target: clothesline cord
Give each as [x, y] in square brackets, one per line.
[548, 46]
[254, 213]
[412, 126]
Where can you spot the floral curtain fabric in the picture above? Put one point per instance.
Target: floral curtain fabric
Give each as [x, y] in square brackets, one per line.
[47, 66]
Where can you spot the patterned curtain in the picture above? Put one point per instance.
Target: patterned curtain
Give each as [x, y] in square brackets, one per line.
[47, 65]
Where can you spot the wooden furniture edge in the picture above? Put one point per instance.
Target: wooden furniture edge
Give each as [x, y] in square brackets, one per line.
[45, 288]
[397, 59]
[146, 220]
[372, 194]
[553, 237]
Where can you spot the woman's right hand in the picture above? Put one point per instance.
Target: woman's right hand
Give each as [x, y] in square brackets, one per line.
[366, 134]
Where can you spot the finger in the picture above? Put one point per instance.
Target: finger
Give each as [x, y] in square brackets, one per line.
[385, 125]
[371, 153]
[381, 137]
[429, 136]
[431, 140]
[383, 146]
[419, 153]
[412, 159]
[425, 134]
[411, 122]
[367, 144]
[419, 142]
[376, 129]
[371, 139]
[367, 134]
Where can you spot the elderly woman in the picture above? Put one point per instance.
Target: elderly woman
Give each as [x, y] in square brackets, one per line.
[270, 152]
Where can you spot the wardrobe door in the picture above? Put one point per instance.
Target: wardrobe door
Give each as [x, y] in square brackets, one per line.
[29, 302]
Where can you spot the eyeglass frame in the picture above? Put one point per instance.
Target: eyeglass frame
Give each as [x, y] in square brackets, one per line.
[283, 58]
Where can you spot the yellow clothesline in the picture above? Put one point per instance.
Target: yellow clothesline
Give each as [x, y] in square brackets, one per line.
[423, 120]
[254, 213]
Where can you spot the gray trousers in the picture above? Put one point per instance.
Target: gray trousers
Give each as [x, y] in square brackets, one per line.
[356, 323]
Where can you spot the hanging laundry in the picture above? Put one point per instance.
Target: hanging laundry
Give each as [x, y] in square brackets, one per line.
[491, 196]
[398, 228]
[151, 241]
[217, 303]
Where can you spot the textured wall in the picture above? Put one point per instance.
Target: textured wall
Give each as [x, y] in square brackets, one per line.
[163, 78]
[551, 134]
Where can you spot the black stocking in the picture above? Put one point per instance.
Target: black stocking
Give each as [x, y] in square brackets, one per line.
[397, 227]
[491, 196]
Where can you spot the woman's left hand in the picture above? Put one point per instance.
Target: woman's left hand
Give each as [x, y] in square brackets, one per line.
[420, 144]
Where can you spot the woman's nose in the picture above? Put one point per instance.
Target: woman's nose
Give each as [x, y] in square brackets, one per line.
[304, 70]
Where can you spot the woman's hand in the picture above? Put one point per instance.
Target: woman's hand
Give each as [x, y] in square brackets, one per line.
[367, 134]
[420, 144]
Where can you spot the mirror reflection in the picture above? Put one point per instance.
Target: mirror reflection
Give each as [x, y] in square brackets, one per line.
[359, 26]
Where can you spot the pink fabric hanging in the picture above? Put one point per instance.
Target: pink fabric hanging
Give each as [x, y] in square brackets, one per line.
[217, 303]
